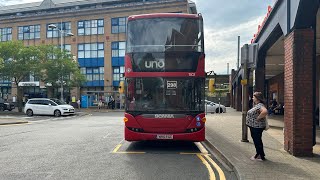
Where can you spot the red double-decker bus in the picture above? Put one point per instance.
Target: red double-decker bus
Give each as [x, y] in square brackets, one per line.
[165, 77]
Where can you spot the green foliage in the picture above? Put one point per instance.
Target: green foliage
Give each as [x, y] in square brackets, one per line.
[18, 62]
[48, 63]
[58, 67]
[218, 93]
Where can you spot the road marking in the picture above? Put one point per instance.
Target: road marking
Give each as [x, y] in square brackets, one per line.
[215, 165]
[115, 151]
[212, 176]
[117, 148]
[201, 148]
[19, 124]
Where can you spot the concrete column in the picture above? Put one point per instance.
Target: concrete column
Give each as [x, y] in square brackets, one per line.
[298, 88]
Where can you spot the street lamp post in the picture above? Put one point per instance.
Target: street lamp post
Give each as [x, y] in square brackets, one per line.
[62, 33]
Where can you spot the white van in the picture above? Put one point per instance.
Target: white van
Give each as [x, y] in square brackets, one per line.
[44, 106]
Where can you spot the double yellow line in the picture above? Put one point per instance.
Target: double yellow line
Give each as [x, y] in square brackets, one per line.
[203, 156]
[207, 161]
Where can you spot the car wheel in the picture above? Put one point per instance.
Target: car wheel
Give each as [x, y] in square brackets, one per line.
[29, 112]
[217, 110]
[57, 113]
[1, 109]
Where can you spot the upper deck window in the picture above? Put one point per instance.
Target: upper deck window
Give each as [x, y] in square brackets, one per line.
[165, 34]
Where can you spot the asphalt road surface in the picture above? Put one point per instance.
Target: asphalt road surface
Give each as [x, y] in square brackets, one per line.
[92, 147]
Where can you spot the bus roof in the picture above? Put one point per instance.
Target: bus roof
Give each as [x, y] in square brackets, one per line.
[163, 15]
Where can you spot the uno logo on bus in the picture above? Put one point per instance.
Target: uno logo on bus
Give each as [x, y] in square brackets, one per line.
[163, 116]
[172, 84]
[154, 64]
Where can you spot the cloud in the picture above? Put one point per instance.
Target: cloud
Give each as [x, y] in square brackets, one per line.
[221, 44]
[224, 21]
[12, 2]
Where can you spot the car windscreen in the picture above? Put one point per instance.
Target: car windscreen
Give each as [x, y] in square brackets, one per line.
[157, 94]
[59, 102]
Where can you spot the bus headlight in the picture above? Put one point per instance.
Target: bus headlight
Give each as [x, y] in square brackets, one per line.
[125, 119]
[204, 119]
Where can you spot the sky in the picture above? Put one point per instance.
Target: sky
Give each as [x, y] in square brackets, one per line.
[224, 21]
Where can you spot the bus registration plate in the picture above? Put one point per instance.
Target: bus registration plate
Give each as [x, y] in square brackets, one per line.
[164, 136]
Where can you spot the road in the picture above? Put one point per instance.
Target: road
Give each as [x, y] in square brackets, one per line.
[92, 147]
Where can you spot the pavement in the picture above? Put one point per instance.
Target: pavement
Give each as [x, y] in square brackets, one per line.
[223, 135]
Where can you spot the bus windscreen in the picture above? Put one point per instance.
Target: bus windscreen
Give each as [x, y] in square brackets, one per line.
[164, 35]
[158, 94]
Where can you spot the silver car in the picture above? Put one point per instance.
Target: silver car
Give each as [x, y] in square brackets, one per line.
[212, 107]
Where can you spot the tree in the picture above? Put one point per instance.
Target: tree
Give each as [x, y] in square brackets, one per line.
[58, 67]
[18, 63]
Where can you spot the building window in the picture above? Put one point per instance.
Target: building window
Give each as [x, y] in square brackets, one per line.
[93, 74]
[52, 33]
[118, 73]
[89, 27]
[66, 47]
[118, 25]
[31, 78]
[94, 50]
[5, 34]
[29, 32]
[118, 49]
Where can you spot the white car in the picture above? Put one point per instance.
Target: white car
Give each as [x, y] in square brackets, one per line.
[45, 106]
[212, 107]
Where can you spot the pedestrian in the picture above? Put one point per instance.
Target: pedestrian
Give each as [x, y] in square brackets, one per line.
[78, 102]
[256, 121]
[100, 104]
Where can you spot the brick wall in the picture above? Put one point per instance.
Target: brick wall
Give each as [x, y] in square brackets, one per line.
[298, 92]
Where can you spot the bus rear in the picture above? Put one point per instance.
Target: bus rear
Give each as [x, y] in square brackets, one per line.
[165, 78]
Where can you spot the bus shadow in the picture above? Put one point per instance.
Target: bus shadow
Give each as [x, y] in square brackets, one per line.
[162, 147]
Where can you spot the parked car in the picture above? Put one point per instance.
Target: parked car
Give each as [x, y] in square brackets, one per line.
[212, 107]
[6, 105]
[45, 106]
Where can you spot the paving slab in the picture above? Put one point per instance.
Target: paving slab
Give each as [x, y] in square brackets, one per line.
[223, 134]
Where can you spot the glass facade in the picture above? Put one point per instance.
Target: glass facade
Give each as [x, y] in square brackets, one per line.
[118, 25]
[6, 34]
[90, 27]
[91, 61]
[29, 32]
[93, 74]
[52, 33]
[118, 54]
